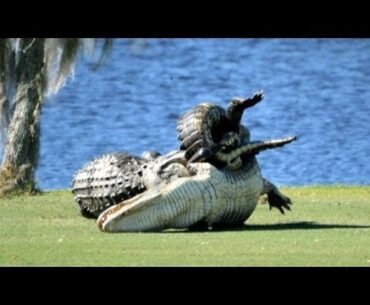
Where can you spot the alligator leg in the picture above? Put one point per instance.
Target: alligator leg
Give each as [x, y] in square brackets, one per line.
[177, 157]
[202, 155]
[274, 197]
[238, 105]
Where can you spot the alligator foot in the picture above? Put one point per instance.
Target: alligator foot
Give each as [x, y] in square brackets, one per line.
[199, 226]
[238, 105]
[85, 213]
[275, 198]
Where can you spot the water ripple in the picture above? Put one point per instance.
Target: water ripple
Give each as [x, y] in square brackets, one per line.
[314, 88]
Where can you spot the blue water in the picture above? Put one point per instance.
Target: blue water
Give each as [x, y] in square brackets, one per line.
[317, 89]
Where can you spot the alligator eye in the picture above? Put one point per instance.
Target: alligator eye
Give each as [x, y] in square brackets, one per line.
[223, 148]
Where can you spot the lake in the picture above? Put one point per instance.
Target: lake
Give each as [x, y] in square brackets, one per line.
[317, 89]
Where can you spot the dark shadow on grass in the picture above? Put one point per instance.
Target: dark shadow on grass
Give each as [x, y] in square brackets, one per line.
[302, 225]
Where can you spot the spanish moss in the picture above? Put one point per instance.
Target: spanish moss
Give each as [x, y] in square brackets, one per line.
[30, 69]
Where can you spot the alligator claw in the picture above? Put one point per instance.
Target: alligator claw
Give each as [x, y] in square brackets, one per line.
[202, 155]
[275, 198]
[279, 201]
[259, 94]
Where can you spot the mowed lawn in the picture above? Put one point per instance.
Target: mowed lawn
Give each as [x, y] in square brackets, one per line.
[328, 226]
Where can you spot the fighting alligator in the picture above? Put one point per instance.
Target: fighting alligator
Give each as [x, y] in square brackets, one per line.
[213, 180]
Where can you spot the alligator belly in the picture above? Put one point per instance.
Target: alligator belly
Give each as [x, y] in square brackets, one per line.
[212, 196]
[237, 196]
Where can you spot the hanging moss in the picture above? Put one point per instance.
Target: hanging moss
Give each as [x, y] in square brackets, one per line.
[32, 67]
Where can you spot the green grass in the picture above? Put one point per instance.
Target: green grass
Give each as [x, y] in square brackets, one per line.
[328, 226]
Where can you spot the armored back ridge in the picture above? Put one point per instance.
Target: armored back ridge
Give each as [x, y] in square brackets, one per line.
[116, 177]
[106, 181]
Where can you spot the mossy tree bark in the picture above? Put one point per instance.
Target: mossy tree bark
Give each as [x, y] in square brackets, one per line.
[21, 150]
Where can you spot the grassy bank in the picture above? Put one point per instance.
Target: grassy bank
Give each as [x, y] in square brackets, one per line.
[328, 226]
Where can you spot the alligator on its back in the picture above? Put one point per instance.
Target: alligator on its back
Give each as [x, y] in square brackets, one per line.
[212, 179]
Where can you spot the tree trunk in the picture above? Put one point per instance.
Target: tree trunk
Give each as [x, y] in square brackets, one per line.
[4, 103]
[3, 110]
[21, 149]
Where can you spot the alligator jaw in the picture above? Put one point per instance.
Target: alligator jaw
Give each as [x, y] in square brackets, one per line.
[110, 216]
[254, 148]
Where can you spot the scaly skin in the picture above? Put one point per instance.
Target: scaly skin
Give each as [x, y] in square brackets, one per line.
[213, 196]
[208, 132]
[106, 181]
[115, 177]
[213, 180]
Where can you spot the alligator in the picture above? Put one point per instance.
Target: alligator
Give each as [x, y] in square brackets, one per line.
[205, 198]
[213, 180]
